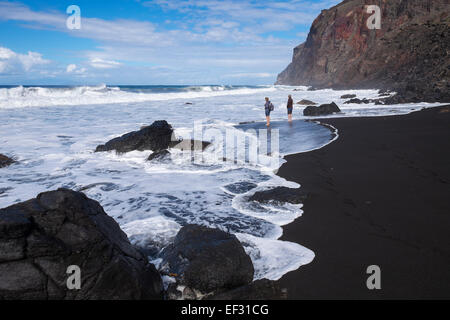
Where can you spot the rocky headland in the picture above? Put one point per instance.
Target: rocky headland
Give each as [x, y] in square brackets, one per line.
[409, 54]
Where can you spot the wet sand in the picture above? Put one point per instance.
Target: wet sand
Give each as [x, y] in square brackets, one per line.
[379, 195]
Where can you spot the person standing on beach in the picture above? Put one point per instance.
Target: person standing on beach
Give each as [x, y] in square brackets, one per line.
[268, 107]
[290, 108]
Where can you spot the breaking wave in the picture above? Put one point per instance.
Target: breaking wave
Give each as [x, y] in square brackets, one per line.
[20, 96]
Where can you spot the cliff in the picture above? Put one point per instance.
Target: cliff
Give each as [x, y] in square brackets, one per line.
[408, 54]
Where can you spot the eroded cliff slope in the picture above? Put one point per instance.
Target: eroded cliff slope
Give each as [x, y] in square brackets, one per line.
[408, 54]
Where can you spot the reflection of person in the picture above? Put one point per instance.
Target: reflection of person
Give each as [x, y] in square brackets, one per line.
[268, 108]
[290, 108]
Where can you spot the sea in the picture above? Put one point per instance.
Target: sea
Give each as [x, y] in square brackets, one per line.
[52, 132]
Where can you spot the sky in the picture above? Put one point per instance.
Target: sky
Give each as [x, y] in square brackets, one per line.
[156, 42]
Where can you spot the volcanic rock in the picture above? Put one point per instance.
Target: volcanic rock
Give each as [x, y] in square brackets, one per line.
[42, 237]
[408, 55]
[207, 259]
[322, 110]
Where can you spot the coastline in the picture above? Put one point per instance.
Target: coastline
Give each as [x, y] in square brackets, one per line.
[376, 196]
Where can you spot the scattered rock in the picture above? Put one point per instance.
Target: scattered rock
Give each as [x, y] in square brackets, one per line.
[161, 155]
[42, 237]
[358, 101]
[306, 102]
[258, 290]
[324, 109]
[156, 137]
[348, 96]
[189, 294]
[384, 93]
[172, 292]
[207, 259]
[5, 161]
[280, 194]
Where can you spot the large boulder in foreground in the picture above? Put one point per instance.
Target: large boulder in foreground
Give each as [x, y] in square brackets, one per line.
[322, 110]
[279, 194]
[5, 161]
[156, 137]
[207, 259]
[42, 237]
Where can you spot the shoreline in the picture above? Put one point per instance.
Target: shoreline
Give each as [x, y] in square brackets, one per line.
[376, 196]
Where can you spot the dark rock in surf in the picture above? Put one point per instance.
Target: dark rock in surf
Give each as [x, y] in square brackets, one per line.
[40, 238]
[322, 110]
[163, 155]
[258, 290]
[5, 161]
[280, 194]
[384, 93]
[156, 137]
[306, 102]
[358, 101]
[348, 96]
[207, 259]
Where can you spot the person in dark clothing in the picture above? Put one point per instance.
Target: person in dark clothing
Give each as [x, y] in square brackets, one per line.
[290, 108]
[268, 107]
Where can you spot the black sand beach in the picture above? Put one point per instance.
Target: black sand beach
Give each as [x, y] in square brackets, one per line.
[379, 195]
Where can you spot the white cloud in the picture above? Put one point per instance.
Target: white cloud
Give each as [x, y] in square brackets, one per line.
[17, 63]
[250, 75]
[74, 69]
[99, 63]
[71, 68]
[211, 39]
[260, 16]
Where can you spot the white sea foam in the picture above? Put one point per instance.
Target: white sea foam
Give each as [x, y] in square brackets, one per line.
[151, 201]
[89, 95]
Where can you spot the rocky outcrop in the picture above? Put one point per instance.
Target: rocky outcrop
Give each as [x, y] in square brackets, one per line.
[207, 260]
[279, 194]
[42, 237]
[156, 137]
[409, 54]
[348, 96]
[322, 110]
[5, 161]
[306, 102]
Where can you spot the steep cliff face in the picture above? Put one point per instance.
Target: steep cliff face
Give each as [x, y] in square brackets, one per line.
[409, 53]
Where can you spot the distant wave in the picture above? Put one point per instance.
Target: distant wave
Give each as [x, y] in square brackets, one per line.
[20, 96]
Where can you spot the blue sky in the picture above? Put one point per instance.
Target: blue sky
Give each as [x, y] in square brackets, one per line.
[152, 42]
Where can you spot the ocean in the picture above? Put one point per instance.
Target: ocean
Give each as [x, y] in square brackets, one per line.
[52, 131]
